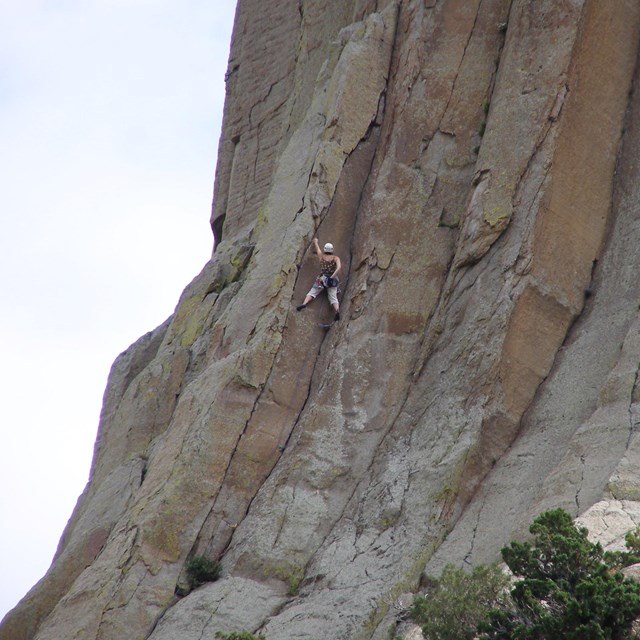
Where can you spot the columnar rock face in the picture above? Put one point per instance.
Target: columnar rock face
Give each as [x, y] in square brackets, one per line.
[475, 164]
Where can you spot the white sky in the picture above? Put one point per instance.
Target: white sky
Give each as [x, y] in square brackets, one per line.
[110, 114]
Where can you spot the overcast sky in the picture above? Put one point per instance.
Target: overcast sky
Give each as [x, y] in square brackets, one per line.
[110, 114]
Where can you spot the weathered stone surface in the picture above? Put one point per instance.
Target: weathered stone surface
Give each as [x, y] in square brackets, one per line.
[221, 606]
[465, 158]
[576, 431]
[608, 521]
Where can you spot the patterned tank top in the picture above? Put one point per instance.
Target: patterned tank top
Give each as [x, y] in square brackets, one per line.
[327, 267]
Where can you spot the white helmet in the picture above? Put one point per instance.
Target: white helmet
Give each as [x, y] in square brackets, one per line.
[328, 248]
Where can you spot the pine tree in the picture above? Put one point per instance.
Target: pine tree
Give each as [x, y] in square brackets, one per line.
[569, 589]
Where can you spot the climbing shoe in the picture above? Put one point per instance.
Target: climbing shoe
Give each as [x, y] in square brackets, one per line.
[300, 307]
[337, 316]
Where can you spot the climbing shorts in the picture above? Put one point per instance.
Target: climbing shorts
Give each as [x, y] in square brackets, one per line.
[320, 284]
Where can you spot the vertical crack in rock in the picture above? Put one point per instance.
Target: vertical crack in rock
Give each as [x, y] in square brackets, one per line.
[232, 455]
[468, 558]
[283, 448]
[502, 28]
[462, 61]
[283, 520]
[552, 118]
[580, 484]
[361, 193]
[632, 402]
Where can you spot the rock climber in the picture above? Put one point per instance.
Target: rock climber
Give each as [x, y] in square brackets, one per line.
[330, 266]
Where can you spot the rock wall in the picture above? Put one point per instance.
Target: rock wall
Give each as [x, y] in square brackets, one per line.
[475, 164]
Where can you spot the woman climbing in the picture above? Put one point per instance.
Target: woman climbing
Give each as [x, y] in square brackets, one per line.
[330, 266]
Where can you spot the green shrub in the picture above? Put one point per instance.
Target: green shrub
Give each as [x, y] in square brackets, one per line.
[632, 540]
[621, 559]
[201, 569]
[568, 590]
[456, 602]
[239, 635]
